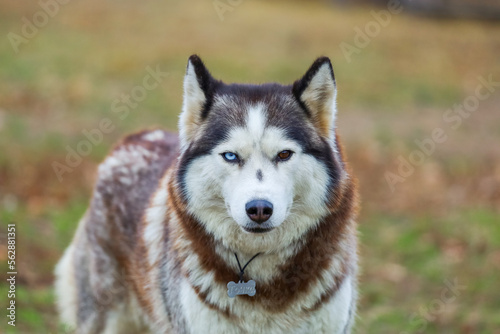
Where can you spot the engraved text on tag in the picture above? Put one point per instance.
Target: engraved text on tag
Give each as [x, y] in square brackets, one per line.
[241, 288]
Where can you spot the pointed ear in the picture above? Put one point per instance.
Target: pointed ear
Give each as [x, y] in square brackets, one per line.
[317, 92]
[198, 96]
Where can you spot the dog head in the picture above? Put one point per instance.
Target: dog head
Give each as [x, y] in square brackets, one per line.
[258, 163]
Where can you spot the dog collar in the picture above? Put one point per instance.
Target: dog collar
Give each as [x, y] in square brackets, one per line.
[242, 288]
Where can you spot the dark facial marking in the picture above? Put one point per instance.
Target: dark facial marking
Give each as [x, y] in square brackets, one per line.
[259, 175]
[292, 122]
[217, 130]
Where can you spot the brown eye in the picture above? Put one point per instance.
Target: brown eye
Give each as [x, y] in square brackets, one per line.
[284, 155]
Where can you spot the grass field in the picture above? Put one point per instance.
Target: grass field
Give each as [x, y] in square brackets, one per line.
[430, 246]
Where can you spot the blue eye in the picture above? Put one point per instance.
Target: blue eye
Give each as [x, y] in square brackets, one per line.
[230, 157]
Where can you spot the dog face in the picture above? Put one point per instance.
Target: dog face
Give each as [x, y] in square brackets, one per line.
[258, 163]
[257, 172]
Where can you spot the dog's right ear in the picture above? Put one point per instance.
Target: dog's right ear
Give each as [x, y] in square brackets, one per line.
[198, 96]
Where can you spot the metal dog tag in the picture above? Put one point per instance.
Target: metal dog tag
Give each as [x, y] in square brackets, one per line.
[241, 288]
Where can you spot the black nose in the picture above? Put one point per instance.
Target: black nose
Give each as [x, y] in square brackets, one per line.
[259, 210]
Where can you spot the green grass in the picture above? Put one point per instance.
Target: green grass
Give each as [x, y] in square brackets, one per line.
[410, 275]
[34, 311]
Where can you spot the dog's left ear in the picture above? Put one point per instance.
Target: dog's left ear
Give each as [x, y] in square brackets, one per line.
[317, 93]
[198, 95]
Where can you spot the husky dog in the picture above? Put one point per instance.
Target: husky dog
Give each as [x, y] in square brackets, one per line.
[257, 173]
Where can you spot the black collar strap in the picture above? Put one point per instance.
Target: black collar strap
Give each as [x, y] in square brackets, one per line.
[242, 270]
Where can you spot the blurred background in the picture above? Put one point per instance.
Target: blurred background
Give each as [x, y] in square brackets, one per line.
[419, 115]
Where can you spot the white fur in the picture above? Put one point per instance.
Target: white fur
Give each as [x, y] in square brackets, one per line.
[153, 136]
[331, 318]
[256, 122]
[154, 220]
[66, 293]
[126, 318]
[334, 316]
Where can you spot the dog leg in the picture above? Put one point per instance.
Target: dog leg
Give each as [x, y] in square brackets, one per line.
[66, 289]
